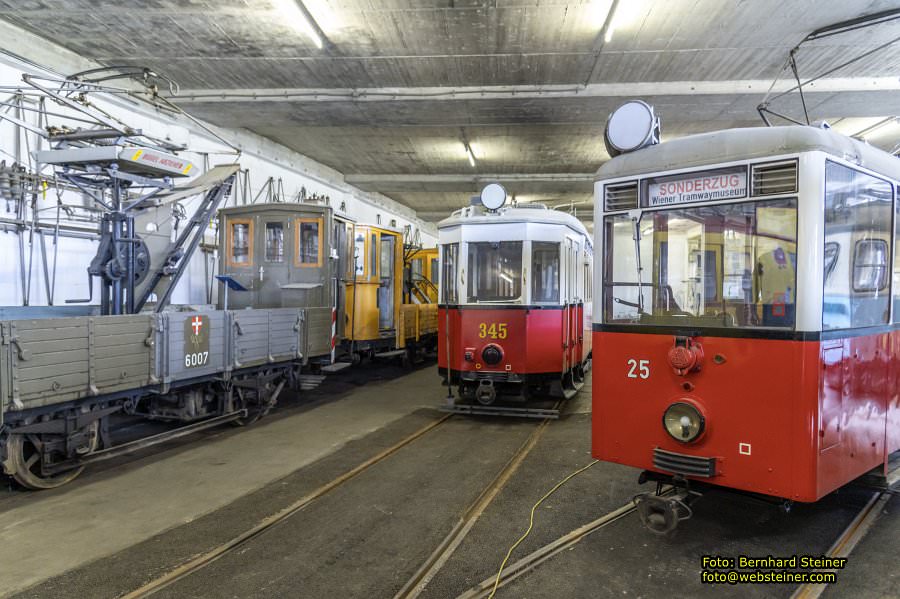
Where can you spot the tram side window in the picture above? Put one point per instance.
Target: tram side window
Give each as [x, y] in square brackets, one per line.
[495, 272]
[449, 282]
[896, 273]
[274, 242]
[544, 272]
[857, 248]
[588, 283]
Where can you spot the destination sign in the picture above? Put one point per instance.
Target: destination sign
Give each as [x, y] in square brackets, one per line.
[721, 184]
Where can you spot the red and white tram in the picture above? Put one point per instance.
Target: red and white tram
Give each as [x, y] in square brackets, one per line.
[515, 299]
[748, 334]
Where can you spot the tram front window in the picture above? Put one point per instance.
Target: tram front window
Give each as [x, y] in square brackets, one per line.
[728, 265]
[495, 272]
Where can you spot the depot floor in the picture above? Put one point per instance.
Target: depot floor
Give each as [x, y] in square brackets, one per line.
[125, 523]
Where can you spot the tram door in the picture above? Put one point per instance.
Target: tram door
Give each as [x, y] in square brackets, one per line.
[570, 260]
[386, 289]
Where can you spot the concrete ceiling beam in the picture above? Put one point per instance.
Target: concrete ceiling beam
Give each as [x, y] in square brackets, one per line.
[525, 92]
[471, 182]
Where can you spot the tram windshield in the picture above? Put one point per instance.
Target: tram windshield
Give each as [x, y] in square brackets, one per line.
[727, 265]
[495, 272]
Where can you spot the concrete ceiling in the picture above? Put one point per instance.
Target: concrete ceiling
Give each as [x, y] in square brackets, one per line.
[399, 85]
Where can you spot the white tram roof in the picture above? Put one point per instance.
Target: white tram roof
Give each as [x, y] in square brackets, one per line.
[733, 145]
[476, 215]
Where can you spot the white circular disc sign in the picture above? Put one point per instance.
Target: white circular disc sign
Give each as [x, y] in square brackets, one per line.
[493, 196]
[630, 126]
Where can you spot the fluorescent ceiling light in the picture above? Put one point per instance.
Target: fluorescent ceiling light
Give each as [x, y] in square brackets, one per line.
[626, 15]
[470, 154]
[296, 15]
[599, 12]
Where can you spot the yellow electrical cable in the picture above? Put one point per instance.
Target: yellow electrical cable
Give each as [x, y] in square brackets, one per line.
[531, 523]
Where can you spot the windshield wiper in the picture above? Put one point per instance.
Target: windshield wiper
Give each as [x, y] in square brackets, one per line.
[636, 235]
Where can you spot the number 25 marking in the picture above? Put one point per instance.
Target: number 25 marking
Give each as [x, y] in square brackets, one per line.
[639, 369]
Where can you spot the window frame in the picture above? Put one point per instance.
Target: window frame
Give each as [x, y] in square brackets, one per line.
[852, 266]
[534, 275]
[885, 267]
[523, 285]
[448, 281]
[229, 242]
[298, 226]
[281, 224]
[606, 297]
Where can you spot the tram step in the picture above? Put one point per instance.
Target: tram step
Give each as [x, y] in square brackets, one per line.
[336, 367]
[390, 354]
[308, 382]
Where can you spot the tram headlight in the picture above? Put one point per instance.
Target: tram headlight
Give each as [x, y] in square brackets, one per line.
[683, 422]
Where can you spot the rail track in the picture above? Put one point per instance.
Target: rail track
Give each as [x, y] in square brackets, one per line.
[433, 564]
[428, 569]
[847, 541]
[265, 524]
[842, 547]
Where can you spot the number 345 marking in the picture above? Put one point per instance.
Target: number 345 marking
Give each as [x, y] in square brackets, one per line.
[638, 369]
[494, 331]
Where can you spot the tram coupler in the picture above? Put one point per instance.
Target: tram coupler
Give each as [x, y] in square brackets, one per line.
[485, 393]
[662, 510]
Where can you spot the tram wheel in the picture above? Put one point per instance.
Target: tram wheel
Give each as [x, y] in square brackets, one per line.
[24, 459]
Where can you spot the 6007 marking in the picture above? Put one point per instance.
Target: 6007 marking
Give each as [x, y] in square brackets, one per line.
[493, 330]
[196, 359]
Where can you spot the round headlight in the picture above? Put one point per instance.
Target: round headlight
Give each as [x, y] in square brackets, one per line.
[492, 355]
[683, 421]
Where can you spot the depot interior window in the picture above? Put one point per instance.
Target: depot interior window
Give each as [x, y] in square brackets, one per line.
[495, 272]
[449, 281]
[858, 237]
[544, 272]
[240, 243]
[309, 242]
[726, 265]
[274, 242]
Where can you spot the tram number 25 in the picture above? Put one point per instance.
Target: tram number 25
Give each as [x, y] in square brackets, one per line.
[195, 359]
[638, 369]
[494, 330]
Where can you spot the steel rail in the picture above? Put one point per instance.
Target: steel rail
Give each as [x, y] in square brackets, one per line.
[434, 562]
[203, 560]
[539, 556]
[847, 541]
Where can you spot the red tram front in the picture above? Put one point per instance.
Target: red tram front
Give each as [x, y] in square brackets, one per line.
[748, 334]
[515, 310]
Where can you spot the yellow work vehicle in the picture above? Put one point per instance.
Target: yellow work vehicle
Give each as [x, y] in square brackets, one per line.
[378, 324]
[420, 275]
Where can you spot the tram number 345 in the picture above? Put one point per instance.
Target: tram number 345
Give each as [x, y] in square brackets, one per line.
[638, 369]
[493, 330]
[196, 359]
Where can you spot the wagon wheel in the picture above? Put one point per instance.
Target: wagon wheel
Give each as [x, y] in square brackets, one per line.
[256, 402]
[24, 459]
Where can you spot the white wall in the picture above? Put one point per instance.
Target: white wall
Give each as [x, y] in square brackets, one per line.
[261, 156]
